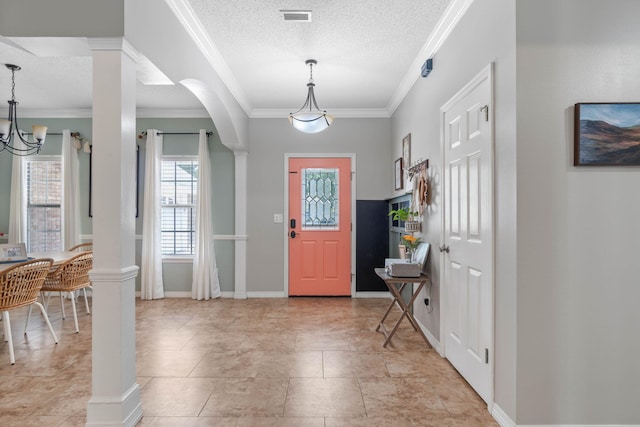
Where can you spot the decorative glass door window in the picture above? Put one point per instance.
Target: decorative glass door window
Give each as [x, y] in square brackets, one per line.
[320, 199]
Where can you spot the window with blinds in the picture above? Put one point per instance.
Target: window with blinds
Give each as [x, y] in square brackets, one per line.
[44, 203]
[179, 192]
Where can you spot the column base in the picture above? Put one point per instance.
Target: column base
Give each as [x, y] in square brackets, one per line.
[125, 410]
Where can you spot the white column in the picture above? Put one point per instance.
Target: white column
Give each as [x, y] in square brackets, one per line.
[115, 396]
[241, 225]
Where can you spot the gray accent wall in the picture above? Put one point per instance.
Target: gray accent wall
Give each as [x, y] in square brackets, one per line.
[270, 140]
[63, 18]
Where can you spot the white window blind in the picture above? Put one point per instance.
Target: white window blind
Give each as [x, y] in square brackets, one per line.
[179, 191]
[44, 199]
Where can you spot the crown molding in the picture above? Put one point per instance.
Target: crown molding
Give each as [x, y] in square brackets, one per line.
[342, 113]
[187, 17]
[187, 113]
[87, 113]
[58, 113]
[455, 11]
[158, 113]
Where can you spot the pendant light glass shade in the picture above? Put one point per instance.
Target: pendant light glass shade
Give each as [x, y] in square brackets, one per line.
[309, 118]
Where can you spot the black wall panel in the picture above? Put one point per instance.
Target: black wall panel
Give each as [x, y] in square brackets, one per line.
[372, 243]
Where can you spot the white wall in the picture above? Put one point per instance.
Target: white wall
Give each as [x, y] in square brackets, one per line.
[269, 140]
[485, 34]
[578, 227]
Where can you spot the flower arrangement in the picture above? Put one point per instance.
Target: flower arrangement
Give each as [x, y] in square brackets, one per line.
[410, 241]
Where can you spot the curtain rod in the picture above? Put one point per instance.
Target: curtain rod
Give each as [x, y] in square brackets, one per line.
[143, 134]
[76, 134]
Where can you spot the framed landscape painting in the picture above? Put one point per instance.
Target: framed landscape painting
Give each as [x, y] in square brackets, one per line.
[607, 134]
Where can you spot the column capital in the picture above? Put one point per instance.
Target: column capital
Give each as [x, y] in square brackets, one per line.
[114, 43]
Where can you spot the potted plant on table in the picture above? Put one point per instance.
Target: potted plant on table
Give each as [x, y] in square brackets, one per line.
[406, 215]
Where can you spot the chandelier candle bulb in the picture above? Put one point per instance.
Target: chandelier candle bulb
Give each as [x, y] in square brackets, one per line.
[39, 133]
[5, 126]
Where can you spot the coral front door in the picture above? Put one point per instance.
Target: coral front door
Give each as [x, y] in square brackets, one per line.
[319, 226]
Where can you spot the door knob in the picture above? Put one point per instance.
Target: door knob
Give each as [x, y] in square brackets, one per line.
[292, 234]
[444, 248]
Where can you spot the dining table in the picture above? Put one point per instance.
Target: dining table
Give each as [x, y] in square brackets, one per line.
[58, 258]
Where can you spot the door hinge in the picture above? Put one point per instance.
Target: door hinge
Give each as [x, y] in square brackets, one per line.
[486, 355]
[485, 110]
[351, 226]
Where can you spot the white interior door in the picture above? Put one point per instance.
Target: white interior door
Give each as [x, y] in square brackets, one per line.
[468, 232]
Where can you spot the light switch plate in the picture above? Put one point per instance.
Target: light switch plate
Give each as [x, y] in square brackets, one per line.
[277, 218]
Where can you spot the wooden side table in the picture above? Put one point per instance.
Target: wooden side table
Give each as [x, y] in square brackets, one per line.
[396, 285]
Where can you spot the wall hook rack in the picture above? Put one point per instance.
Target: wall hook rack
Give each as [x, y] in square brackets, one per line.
[416, 167]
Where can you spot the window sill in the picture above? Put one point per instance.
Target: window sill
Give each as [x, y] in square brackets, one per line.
[177, 259]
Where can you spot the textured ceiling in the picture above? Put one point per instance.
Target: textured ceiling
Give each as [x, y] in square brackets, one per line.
[363, 47]
[364, 50]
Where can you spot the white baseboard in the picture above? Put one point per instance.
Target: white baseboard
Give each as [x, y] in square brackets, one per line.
[432, 340]
[186, 294]
[504, 421]
[267, 294]
[277, 294]
[577, 425]
[372, 294]
[501, 417]
[177, 294]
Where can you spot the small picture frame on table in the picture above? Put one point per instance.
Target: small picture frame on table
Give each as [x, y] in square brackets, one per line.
[398, 174]
[13, 252]
[402, 251]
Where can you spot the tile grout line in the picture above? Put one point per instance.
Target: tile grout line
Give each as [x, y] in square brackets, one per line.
[286, 395]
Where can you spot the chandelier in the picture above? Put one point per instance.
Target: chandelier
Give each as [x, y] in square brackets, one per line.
[9, 128]
[309, 118]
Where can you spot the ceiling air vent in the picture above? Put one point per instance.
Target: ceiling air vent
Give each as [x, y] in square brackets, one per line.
[296, 15]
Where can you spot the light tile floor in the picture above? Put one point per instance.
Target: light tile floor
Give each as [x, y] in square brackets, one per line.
[258, 362]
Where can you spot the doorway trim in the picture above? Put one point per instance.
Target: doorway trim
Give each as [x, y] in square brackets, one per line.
[287, 156]
[487, 73]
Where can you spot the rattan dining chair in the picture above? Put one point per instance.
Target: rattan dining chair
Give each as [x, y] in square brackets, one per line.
[82, 247]
[19, 287]
[70, 276]
[88, 246]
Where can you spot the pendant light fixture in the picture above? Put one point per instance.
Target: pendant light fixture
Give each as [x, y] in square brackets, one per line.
[309, 118]
[7, 127]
